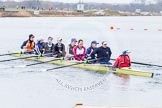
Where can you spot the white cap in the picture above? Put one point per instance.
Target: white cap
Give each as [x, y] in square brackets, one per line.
[126, 51]
[59, 39]
[104, 42]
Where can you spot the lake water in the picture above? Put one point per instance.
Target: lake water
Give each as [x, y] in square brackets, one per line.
[30, 88]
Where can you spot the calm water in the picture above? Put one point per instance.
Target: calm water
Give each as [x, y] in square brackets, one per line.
[30, 88]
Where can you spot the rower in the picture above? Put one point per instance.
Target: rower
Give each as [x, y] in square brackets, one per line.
[48, 47]
[69, 52]
[59, 49]
[103, 52]
[79, 51]
[39, 46]
[91, 49]
[123, 60]
[28, 45]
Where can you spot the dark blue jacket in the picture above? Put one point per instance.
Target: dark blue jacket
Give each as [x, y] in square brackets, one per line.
[89, 51]
[104, 53]
[24, 44]
[40, 45]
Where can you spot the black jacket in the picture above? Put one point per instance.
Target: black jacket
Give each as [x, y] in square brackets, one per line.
[48, 49]
[58, 48]
[104, 53]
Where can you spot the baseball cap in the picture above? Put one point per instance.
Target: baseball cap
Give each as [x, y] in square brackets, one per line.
[73, 39]
[94, 42]
[59, 39]
[126, 51]
[104, 42]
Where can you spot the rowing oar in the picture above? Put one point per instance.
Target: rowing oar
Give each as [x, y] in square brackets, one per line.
[11, 53]
[82, 62]
[25, 57]
[40, 62]
[146, 64]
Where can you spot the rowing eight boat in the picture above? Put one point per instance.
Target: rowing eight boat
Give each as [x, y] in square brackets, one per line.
[90, 67]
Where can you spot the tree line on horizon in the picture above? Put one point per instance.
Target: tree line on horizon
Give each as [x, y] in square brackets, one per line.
[88, 6]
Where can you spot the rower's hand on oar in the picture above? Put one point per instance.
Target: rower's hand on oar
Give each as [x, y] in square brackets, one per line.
[42, 55]
[87, 62]
[88, 56]
[22, 50]
[112, 68]
[24, 47]
[96, 58]
[55, 55]
[60, 51]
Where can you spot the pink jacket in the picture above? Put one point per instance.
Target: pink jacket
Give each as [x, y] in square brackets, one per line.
[79, 53]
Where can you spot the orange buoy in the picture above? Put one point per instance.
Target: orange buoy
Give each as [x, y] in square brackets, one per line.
[111, 27]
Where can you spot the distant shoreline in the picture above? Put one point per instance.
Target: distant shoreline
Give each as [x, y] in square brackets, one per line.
[53, 13]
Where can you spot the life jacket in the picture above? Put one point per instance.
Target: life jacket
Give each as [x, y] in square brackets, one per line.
[122, 61]
[71, 49]
[30, 46]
